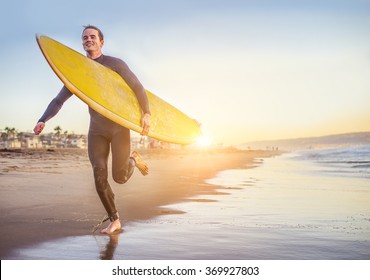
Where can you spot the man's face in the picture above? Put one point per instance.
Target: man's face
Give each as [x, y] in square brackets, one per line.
[91, 41]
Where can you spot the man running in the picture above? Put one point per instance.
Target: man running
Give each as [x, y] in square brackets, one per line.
[104, 134]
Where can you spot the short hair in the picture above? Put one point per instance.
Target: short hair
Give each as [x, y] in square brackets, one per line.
[101, 36]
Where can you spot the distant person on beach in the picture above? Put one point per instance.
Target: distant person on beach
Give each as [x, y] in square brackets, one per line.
[104, 134]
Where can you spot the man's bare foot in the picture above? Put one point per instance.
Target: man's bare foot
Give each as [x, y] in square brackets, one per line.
[140, 163]
[113, 227]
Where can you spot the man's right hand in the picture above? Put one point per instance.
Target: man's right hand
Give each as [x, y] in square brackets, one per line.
[39, 127]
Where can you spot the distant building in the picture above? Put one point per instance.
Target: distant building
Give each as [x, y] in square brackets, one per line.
[77, 143]
[138, 143]
[13, 143]
[33, 143]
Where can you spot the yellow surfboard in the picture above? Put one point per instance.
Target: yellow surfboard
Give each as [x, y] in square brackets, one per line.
[107, 93]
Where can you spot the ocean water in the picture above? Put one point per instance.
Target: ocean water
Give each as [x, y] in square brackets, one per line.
[312, 204]
[342, 161]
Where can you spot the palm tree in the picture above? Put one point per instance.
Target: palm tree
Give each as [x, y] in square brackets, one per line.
[4, 136]
[10, 132]
[58, 130]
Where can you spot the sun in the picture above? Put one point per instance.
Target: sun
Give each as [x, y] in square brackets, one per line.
[203, 141]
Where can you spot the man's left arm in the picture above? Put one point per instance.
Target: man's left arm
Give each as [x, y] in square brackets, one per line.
[134, 83]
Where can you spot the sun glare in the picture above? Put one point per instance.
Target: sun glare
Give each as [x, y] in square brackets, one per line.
[203, 141]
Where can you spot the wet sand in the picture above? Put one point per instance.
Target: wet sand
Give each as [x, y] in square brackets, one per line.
[46, 195]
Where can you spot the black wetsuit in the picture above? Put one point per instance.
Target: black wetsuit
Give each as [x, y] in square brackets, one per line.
[105, 134]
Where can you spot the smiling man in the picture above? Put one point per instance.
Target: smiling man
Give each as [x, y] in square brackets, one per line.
[104, 134]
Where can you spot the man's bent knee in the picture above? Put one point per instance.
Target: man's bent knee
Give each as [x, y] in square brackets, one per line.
[124, 175]
[120, 179]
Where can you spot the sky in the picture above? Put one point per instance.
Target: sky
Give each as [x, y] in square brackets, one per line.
[247, 70]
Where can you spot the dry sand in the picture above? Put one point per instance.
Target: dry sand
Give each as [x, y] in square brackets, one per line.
[46, 195]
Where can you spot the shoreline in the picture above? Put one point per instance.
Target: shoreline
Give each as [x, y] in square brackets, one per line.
[47, 195]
